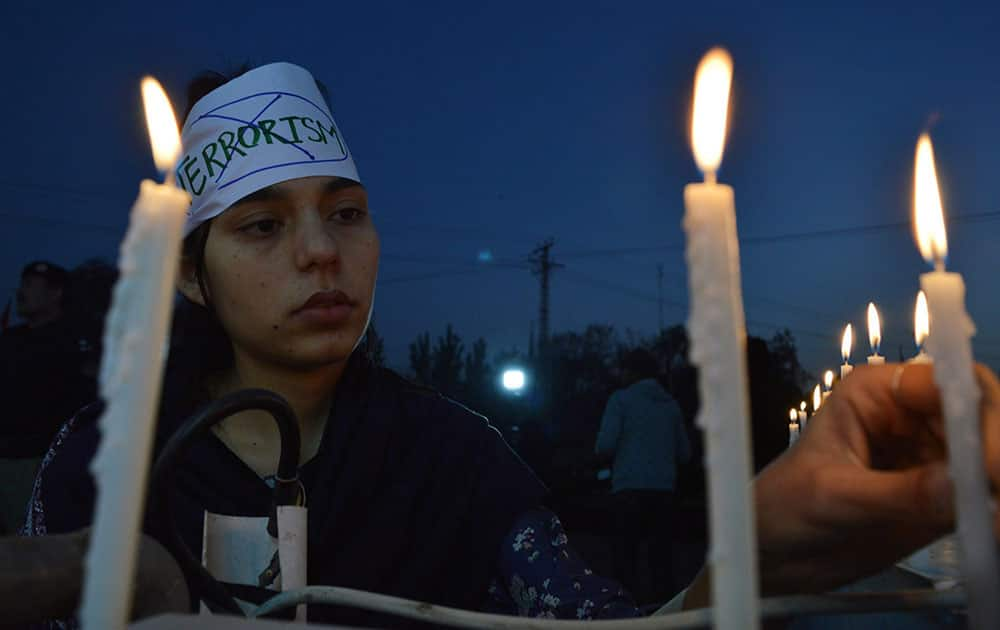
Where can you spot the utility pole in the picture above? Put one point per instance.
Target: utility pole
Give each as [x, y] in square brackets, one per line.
[531, 340]
[659, 286]
[542, 265]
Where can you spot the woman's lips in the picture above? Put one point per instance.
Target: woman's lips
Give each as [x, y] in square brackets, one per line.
[327, 308]
[332, 315]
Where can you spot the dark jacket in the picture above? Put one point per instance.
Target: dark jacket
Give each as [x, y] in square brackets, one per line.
[410, 493]
[42, 384]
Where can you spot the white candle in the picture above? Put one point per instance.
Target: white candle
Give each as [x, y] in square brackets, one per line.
[131, 369]
[874, 336]
[718, 347]
[846, 342]
[827, 384]
[793, 426]
[803, 416]
[921, 328]
[949, 345]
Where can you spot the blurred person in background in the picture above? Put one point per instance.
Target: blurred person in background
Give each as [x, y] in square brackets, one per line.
[41, 383]
[643, 431]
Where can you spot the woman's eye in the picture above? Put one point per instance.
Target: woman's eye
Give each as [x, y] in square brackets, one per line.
[348, 215]
[264, 227]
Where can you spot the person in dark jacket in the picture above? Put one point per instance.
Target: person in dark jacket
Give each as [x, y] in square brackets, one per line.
[643, 432]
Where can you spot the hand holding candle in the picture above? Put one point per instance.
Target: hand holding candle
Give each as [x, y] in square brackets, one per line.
[718, 347]
[131, 370]
[949, 345]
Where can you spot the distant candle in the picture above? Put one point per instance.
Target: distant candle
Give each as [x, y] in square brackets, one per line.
[948, 343]
[718, 347]
[793, 426]
[817, 399]
[827, 384]
[803, 416]
[846, 343]
[874, 336]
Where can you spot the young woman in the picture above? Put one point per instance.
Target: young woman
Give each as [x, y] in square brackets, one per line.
[410, 493]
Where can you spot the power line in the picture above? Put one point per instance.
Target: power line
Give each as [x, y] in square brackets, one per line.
[432, 260]
[977, 217]
[445, 273]
[775, 238]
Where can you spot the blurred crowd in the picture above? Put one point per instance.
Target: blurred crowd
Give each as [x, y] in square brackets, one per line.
[49, 361]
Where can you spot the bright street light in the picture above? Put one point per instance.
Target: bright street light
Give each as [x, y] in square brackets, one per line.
[513, 380]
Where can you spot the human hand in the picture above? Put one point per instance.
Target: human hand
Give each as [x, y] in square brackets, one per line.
[867, 483]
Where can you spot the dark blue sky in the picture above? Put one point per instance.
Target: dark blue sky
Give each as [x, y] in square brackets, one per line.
[494, 125]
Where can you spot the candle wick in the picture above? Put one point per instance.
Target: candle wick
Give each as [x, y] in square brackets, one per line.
[938, 257]
[710, 177]
[168, 178]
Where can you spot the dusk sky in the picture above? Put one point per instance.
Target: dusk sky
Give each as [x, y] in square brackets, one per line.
[490, 126]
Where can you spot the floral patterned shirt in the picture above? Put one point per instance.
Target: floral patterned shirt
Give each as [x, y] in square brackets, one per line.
[540, 575]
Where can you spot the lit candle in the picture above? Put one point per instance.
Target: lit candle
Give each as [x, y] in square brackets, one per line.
[949, 345]
[718, 347]
[793, 426]
[874, 336]
[131, 370]
[846, 343]
[817, 399]
[921, 328]
[827, 384]
[803, 416]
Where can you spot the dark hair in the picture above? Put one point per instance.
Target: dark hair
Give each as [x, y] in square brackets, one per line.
[641, 363]
[55, 276]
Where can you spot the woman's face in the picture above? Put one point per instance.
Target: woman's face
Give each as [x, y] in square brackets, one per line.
[290, 271]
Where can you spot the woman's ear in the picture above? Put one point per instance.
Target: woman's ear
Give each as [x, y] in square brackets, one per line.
[187, 281]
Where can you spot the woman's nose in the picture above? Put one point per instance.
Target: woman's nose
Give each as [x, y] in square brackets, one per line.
[315, 245]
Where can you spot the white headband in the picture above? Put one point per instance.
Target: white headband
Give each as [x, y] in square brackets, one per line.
[263, 127]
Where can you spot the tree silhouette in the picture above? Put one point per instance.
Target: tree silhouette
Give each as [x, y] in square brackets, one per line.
[446, 363]
[374, 346]
[420, 358]
[477, 371]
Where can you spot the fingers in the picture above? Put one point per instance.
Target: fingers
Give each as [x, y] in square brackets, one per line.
[920, 498]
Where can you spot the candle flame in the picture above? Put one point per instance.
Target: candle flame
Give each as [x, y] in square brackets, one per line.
[846, 342]
[928, 215]
[921, 320]
[711, 108]
[874, 328]
[793, 415]
[802, 405]
[828, 379]
[161, 124]
[817, 398]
